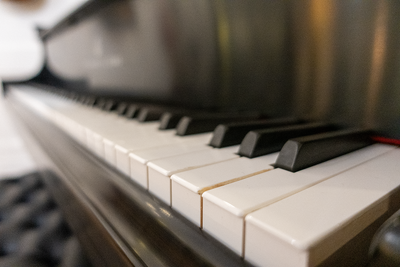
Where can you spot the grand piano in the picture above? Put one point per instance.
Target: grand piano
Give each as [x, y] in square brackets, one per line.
[219, 132]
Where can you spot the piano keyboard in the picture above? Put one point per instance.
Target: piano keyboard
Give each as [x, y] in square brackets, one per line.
[269, 216]
[233, 202]
[315, 221]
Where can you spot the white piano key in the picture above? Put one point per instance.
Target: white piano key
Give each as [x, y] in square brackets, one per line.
[130, 142]
[39, 107]
[138, 159]
[306, 228]
[98, 122]
[122, 152]
[121, 134]
[122, 160]
[98, 144]
[90, 139]
[118, 130]
[76, 130]
[109, 151]
[94, 123]
[188, 186]
[224, 208]
[160, 171]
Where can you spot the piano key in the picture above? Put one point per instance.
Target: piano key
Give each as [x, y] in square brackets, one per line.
[261, 142]
[122, 153]
[117, 130]
[207, 122]
[224, 208]
[188, 186]
[303, 152]
[170, 120]
[90, 122]
[138, 159]
[97, 144]
[123, 148]
[150, 114]
[160, 171]
[122, 108]
[100, 103]
[90, 101]
[300, 231]
[144, 136]
[113, 130]
[72, 95]
[82, 99]
[103, 143]
[39, 107]
[110, 105]
[171, 117]
[233, 133]
[132, 111]
[97, 114]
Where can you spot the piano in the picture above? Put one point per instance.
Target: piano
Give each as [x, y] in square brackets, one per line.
[219, 133]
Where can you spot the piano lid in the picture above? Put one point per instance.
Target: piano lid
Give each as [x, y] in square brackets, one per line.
[334, 61]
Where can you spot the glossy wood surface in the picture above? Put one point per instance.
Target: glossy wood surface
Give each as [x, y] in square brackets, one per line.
[326, 60]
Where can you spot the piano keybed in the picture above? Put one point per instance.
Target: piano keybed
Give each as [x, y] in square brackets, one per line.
[269, 216]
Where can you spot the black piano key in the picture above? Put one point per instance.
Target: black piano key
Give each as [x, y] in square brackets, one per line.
[100, 103]
[169, 120]
[110, 105]
[90, 101]
[206, 123]
[72, 95]
[306, 151]
[150, 114]
[82, 99]
[266, 141]
[233, 133]
[122, 108]
[132, 111]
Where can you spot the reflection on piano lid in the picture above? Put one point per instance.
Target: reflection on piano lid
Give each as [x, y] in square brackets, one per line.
[237, 115]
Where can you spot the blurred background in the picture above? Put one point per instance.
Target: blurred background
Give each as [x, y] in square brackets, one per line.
[19, 42]
[21, 57]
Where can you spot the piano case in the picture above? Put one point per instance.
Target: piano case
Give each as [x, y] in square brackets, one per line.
[325, 61]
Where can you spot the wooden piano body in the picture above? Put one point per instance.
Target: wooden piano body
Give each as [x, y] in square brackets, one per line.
[331, 61]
